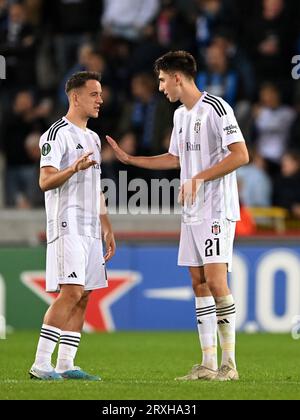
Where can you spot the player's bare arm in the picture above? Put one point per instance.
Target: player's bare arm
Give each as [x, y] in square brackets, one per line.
[51, 177]
[164, 161]
[108, 236]
[238, 157]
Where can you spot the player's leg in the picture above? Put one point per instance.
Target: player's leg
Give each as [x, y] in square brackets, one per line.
[71, 335]
[55, 318]
[215, 240]
[205, 307]
[95, 278]
[216, 277]
[206, 318]
[64, 272]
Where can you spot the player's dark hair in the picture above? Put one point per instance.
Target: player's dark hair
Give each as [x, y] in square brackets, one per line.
[177, 61]
[77, 80]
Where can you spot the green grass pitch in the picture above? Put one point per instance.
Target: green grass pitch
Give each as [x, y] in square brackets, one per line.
[143, 365]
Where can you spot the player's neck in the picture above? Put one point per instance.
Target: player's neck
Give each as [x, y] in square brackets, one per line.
[190, 96]
[76, 119]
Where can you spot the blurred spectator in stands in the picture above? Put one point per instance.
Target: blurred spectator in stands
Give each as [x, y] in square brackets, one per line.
[238, 61]
[294, 135]
[128, 18]
[83, 55]
[128, 142]
[35, 194]
[255, 186]
[218, 79]
[286, 185]
[3, 14]
[210, 16]
[272, 122]
[269, 37]
[24, 119]
[148, 114]
[72, 23]
[18, 45]
[110, 113]
[173, 31]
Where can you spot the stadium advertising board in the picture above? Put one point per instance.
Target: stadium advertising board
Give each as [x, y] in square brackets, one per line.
[148, 291]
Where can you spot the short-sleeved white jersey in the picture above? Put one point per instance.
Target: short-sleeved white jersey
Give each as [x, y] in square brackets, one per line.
[75, 206]
[200, 139]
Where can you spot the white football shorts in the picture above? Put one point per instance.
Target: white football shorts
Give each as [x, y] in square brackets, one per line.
[75, 259]
[211, 241]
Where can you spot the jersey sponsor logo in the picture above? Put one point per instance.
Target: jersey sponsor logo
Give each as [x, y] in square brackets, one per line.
[96, 166]
[216, 228]
[46, 149]
[231, 129]
[192, 147]
[197, 126]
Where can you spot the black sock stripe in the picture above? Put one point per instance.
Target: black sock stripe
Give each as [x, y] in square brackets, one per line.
[68, 344]
[205, 307]
[69, 340]
[225, 307]
[71, 336]
[225, 314]
[213, 98]
[50, 334]
[208, 310]
[50, 331]
[48, 338]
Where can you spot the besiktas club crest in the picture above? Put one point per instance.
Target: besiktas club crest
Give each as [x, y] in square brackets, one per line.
[197, 126]
[216, 228]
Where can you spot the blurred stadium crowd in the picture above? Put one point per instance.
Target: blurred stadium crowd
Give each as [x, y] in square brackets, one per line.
[244, 51]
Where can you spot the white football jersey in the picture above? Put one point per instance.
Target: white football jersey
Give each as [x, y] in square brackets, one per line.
[200, 139]
[75, 206]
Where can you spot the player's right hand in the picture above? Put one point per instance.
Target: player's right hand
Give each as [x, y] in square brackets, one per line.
[84, 162]
[119, 153]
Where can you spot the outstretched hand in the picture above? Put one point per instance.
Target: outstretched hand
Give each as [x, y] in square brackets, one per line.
[84, 162]
[119, 153]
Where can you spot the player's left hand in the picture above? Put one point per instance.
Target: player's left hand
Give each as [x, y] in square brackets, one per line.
[188, 191]
[110, 246]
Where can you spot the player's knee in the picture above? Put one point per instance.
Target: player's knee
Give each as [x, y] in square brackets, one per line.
[200, 289]
[73, 295]
[216, 286]
[84, 299]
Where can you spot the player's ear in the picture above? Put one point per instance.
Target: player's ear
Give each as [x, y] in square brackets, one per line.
[74, 97]
[178, 78]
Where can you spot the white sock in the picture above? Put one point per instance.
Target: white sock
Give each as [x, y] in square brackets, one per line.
[68, 345]
[207, 328]
[226, 328]
[49, 337]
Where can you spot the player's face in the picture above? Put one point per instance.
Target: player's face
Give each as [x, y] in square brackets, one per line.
[89, 99]
[169, 85]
